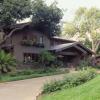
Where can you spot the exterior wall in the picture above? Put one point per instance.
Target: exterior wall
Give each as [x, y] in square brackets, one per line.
[20, 49]
[74, 59]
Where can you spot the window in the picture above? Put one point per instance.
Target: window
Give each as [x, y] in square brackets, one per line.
[30, 57]
[41, 40]
[33, 38]
[25, 37]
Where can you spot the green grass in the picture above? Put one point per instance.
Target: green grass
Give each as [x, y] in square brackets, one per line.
[87, 91]
[27, 74]
[6, 78]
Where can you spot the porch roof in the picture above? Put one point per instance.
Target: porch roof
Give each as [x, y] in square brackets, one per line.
[77, 45]
[61, 46]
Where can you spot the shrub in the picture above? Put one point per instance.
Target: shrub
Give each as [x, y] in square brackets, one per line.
[25, 72]
[71, 80]
[53, 86]
[38, 71]
[46, 58]
[84, 65]
[7, 62]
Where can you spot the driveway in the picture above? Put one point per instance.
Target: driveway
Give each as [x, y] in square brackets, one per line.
[24, 89]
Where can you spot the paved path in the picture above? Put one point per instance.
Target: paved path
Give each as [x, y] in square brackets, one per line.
[24, 89]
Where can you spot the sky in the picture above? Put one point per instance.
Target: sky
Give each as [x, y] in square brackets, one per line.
[70, 6]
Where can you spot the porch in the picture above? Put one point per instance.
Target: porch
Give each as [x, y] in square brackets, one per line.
[70, 53]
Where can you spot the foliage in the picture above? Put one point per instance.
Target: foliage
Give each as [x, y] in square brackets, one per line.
[98, 51]
[7, 62]
[71, 80]
[87, 19]
[13, 11]
[58, 63]
[47, 58]
[46, 18]
[85, 27]
[30, 73]
[87, 43]
[83, 65]
[87, 91]
[39, 71]
[87, 22]
[69, 29]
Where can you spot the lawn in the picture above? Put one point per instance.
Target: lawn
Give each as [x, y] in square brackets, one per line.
[87, 91]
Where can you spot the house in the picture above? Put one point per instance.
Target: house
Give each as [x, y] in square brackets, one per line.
[26, 43]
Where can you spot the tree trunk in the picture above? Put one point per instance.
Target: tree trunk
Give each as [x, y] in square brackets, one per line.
[95, 46]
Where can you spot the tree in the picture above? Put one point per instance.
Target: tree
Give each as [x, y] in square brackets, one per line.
[85, 27]
[46, 18]
[12, 11]
[88, 24]
[7, 62]
[69, 29]
[46, 58]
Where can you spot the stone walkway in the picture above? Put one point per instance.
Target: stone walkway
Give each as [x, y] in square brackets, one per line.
[24, 89]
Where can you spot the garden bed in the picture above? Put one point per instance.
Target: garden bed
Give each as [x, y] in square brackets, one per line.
[27, 74]
[88, 91]
[57, 90]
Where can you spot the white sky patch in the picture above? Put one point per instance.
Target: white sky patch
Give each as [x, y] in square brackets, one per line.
[73, 5]
[70, 6]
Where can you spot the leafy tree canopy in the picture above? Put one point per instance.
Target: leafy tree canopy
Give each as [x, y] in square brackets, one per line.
[87, 24]
[12, 11]
[46, 18]
[69, 29]
[87, 19]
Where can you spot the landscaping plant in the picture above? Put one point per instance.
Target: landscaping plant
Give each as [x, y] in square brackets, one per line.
[47, 58]
[83, 65]
[71, 80]
[7, 62]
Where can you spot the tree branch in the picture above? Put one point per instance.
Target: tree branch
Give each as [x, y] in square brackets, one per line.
[9, 35]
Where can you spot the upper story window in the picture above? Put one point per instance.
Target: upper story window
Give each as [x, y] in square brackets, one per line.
[41, 40]
[25, 37]
[32, 40]
[32, 37]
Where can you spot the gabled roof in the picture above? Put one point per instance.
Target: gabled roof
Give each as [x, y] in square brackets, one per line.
[85, 48]
[77, 45]
[62, 46]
